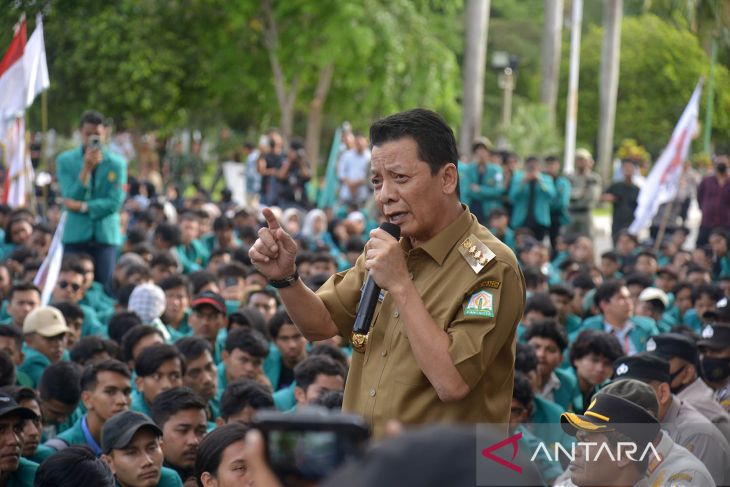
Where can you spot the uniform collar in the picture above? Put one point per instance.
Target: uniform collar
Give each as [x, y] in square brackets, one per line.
[440, 245]
[672, 412]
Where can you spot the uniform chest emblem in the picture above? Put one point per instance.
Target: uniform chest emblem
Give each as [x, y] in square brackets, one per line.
[476, 253]
[481, 303]
[112, 176]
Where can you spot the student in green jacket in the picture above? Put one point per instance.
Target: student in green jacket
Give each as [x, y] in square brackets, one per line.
[106, 388]
[21, 299]
[132, 445]
[192, 252]
[44, 331]
[559, 216]
[60, 392]
[158, 368]
[14, 469]
[591, 356]
[240, 401]
[92, 181]
[201, 373]
[531, 193]
[11, 342]
[32, 449]
[70, 288]
[177, 309]
[94, 295]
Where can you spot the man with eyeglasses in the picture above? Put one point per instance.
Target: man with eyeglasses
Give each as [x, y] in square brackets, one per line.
[158, 368]
[44, 331]
[70, 288]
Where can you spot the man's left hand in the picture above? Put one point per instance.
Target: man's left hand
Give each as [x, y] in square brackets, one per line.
[385, 260]
[73, 205]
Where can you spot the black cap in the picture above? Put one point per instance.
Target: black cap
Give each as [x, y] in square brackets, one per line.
[121, 428]
[612, 413]
[9, 406]
[210, 298]
[715, 335]
[642, 366]
[673, 345]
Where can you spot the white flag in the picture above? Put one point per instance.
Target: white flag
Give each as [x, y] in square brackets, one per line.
[661, 185]
[19, 176]
[34, 64]
[47, 275]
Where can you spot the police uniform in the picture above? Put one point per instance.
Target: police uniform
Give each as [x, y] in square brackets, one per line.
[677, 468]
[717, 336]
[697, 393]
[684, 424]
[584, 192]
[473, 288]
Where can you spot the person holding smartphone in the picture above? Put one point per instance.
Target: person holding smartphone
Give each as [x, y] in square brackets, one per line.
[93, 181]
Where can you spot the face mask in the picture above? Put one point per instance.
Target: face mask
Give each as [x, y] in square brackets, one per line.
[678, 389]
[721, 168]
[715, 369]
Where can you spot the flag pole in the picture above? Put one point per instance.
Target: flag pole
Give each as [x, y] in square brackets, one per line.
[663, 225]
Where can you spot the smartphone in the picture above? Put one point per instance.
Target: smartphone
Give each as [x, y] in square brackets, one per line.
[94, 142]
[311, 444]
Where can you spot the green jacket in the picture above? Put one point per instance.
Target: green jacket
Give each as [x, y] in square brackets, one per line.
[104, 194]
[96, 298]
[486, 189]
[139, 404]
[519, 195]
[561, 201]
[545, 420]
[34, 365]
[24, 476]
[41, 453]
[644, 328]
[567, 396]
[194, 257]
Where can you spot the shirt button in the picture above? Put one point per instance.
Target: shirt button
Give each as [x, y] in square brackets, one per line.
[372, 392]
[383, 353]
[396, 314]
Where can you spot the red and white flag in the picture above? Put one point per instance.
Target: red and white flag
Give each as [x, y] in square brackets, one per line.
[23, 75]
[663, 180]
[47, 275]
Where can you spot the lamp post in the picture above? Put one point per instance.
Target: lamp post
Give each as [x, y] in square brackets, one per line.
[506, 66]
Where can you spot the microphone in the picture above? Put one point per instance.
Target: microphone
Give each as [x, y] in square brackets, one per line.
[371, 291]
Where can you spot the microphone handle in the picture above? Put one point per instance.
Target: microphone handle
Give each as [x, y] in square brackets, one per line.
[366, 308]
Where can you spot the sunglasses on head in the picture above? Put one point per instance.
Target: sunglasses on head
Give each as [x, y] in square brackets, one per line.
[65, 284]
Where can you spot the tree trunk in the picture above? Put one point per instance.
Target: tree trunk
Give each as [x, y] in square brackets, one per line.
[314, 117]
[285, 95]
[551, 42]
[474, 64]
[610, 54]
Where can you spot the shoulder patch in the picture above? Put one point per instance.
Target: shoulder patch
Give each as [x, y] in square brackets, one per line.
[481, 303]
[681, 479]
[476, 253]
[112, 176]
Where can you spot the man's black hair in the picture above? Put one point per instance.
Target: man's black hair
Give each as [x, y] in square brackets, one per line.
[234, 269]
[611, 255]
[681, 286]
[7, 370]
[324, 257]
[164, 259]
[279, 319]
[84, 349]
[249, 341]
[151, 359]
[249, 318]
[70, 311]
[141, 269]
[90, 377]
[13, 332]
[596, 342]
[21, 394]
[713, 291]
[525, 358]
[136, 236]
[561, 290]
[72, 265]
[169, 233]
[172, 401]
[625, 233]
[549, 329]
[91, 117]
[534, 277]
[306, 371]
[61, 381]
[541, 303]
[241, 253]
[264, 290]
[583, 281]
[173, 282]
[222, 223]
[355, 244]
[647, 253]
[133, 336]
[120, 323]
[638, 279]
[522, 390]
[219, 252]
[606, 291]
[241, 393]
[433, 136]
[200, 279]
[22, 287]
[331, 351]
[73, 466]
[329, 399]
[193, 347]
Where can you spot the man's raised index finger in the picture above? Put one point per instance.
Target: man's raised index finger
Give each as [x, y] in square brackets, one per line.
[271, 220]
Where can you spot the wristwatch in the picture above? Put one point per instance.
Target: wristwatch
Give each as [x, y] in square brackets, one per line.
[286, 282]
[84, 207]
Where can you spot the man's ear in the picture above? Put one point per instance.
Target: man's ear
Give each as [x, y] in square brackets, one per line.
[219, 422]
[86, 399]
[224, 355]
[300, 395]
[138, 381]
[450, 178]
[109, 461]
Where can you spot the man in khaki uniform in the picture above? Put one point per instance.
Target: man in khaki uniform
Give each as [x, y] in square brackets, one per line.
[441, 343]
[681, 352]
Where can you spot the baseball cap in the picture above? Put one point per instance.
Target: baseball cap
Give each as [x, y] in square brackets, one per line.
[652, 293]
[118, 431]
[583, 154]
[47, 321]
[608, 412]
[635, 391]
[642, 366]
[673, 345]
[9, 406]
[715, 335]
[481, 142]
[211, 299]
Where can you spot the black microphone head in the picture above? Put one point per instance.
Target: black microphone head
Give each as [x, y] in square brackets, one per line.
[392, 229]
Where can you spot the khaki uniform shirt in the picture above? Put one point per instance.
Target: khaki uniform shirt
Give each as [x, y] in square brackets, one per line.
[687, 427]
[699, 395]
[677, 468]
[385, 381]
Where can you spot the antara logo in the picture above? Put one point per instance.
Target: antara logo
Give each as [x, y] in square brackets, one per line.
[625, 449]
[512, 440]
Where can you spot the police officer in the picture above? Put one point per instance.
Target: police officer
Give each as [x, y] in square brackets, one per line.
[584, 193]
[675, 465]
[715, 361]
[681, 352]
[441, 344]
[684, 424]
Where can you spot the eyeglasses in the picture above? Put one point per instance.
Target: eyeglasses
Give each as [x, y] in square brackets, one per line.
[65, 284]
